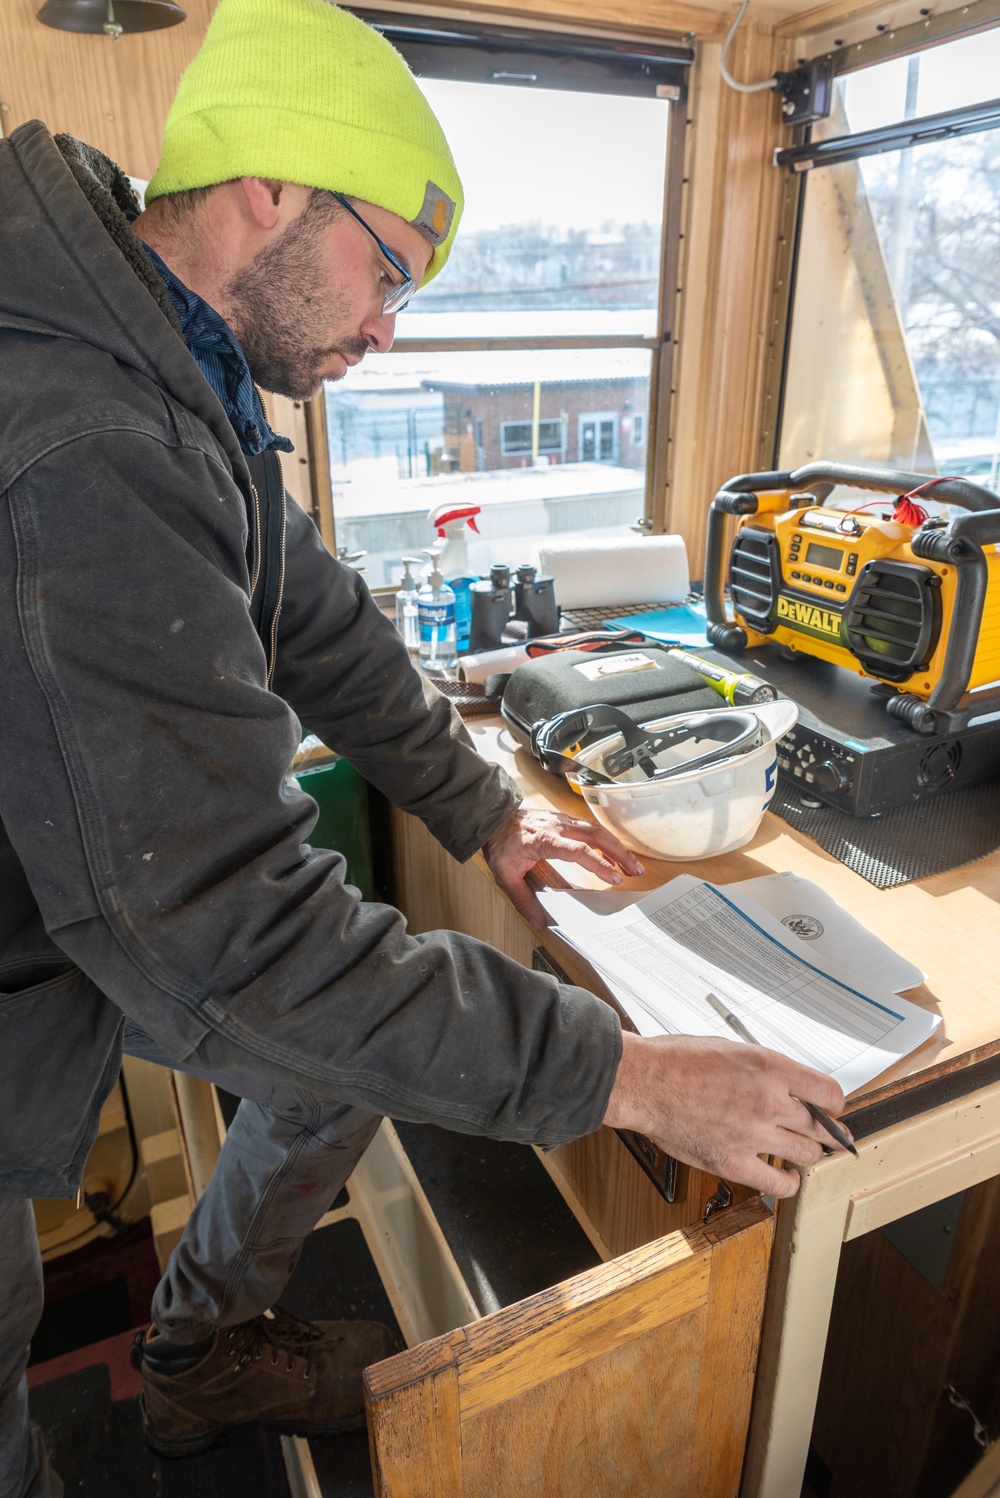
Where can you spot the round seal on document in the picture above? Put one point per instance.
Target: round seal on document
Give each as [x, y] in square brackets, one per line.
[806, 927]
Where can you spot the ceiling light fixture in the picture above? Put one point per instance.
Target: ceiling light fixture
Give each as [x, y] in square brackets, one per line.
[110, 16]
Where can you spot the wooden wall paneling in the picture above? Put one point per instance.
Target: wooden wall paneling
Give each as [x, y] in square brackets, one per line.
[732, 228]
[289, 418]
[810, 20]
[114, 95]
[319, 470]
[607, 1384]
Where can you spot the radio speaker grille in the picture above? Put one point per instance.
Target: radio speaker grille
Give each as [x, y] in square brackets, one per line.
[893, 618]
[755, 576]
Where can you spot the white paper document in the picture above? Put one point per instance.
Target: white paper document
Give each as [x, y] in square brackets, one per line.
[663, 954]
[834, 940]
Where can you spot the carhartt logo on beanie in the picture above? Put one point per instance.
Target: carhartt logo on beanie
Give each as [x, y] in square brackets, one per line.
[302, 91]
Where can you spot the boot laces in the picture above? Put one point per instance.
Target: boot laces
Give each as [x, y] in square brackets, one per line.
[287, 1327]
[285, 1337]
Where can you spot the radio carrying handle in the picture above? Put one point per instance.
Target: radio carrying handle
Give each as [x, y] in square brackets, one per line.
[960, 543]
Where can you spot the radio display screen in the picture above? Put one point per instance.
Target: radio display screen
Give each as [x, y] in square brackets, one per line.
[824, 556]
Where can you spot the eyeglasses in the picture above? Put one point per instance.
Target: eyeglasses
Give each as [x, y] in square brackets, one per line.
[397, 296]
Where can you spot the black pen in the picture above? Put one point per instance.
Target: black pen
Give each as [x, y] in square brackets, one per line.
[833, 1128]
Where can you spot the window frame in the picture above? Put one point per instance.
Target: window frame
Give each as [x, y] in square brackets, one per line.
[631, 65]
[797, 160]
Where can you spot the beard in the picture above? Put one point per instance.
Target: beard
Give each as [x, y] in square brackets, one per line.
[275, 304]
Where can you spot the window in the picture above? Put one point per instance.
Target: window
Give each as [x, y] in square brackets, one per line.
[894, 348]
[518, 439]
[522, 373]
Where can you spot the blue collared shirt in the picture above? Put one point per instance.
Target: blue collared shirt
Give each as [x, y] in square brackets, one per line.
[214, 347]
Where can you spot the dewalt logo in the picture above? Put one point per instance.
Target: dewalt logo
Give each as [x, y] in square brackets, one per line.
[810, 616]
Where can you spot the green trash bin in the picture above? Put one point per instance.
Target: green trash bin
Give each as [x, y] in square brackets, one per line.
[341, 794]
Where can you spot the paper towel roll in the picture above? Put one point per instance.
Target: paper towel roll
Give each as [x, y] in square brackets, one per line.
[613, 570]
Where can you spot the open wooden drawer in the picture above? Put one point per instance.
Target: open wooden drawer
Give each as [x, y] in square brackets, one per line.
[631, 1379]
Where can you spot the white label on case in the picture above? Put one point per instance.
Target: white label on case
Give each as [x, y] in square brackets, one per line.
[615, 665]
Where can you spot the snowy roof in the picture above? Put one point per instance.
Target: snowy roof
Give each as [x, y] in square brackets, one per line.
[399, 372]
[371, 488]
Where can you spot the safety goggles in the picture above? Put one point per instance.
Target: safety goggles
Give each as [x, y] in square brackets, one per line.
[397, 296]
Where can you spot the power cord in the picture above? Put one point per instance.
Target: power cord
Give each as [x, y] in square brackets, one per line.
[741, 88]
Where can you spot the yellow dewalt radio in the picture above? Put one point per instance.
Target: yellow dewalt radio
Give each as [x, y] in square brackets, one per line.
[911, 601]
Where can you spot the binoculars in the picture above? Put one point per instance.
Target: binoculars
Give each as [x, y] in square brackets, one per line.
[499, 619]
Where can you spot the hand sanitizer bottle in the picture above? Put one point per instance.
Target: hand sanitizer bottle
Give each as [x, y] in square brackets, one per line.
[436, 612]
[407, 616]
[450, 521]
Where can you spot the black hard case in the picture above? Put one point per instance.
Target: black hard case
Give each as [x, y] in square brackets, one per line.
[541, 689]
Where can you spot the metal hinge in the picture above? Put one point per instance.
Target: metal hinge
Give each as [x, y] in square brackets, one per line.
[980, 1434]
[718, 1201]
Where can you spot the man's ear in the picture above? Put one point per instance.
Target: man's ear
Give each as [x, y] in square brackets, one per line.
[266, 200]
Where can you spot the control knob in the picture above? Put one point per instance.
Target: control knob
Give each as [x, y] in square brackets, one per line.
[830, 777]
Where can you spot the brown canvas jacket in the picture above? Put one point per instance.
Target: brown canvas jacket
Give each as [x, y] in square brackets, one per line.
[151, 846]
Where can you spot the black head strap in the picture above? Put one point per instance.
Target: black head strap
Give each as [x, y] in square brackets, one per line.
[726, 733]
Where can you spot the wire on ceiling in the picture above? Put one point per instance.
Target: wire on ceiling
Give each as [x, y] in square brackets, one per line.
[741, 88]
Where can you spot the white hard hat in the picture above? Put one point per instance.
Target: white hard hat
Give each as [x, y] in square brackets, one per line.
[700, 801]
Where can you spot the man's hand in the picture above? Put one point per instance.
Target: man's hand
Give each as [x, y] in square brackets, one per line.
[717, 1105]
[533, 835]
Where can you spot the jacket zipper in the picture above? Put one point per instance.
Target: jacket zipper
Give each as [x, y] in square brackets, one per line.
[256, 538]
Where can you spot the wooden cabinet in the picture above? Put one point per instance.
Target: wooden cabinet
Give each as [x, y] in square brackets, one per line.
[632, 1379]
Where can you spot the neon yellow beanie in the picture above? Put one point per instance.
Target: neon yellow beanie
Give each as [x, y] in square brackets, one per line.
[302, 91]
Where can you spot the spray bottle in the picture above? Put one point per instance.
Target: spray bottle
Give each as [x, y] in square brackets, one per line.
[407, 615]
[450, 521]
[436, 614]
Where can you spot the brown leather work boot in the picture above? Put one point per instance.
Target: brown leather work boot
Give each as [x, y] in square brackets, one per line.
[301, 1378]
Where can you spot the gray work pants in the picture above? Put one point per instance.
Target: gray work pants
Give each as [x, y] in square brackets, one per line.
[284, 1160]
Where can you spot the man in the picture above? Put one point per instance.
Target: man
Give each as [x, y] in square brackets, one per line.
[167, 625]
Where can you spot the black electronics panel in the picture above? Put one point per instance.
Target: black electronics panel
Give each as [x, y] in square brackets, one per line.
[847, 751]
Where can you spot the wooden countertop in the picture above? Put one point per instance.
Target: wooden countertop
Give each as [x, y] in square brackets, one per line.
[949, 924]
